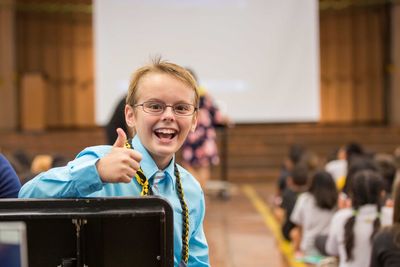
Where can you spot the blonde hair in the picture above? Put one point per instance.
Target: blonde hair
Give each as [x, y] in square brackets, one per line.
[161, 66]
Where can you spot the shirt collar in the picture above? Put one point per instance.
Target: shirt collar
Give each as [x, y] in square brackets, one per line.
[148, 165]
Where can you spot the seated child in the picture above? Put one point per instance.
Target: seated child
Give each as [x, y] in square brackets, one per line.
[314, 210]
[296, 184]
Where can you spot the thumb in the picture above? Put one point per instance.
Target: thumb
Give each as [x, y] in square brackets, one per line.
[121, 139]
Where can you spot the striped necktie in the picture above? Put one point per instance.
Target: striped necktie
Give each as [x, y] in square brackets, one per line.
[157, 181]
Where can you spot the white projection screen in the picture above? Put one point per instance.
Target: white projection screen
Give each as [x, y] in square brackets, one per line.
[258, 58]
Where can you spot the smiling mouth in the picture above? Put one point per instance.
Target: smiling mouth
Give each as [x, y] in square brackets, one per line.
[165, 133]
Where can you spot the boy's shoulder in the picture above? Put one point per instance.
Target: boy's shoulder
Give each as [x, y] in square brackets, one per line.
[188, 179]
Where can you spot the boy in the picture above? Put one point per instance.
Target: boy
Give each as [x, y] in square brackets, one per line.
[161, 108]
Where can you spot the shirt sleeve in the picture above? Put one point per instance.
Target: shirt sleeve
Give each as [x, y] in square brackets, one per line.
[78, 179]
[297, 216]
[9, 181]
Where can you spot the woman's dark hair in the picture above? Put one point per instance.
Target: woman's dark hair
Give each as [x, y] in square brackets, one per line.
[323, 188]
[356, 164]
[365, 188]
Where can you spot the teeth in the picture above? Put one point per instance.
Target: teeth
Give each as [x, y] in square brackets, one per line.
[165, 131]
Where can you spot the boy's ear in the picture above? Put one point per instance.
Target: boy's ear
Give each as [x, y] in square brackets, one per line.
[129, 116]
[194, 123]
[193, 128]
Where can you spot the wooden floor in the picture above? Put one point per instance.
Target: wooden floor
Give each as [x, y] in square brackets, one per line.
[237, 232]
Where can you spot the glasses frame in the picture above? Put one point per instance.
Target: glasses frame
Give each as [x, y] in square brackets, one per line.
[165, 107]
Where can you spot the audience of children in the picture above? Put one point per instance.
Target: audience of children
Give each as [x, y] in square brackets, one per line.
[321, 218]
[28, 166]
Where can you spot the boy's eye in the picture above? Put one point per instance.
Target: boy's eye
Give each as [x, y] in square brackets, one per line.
[182, 108]
[154, 106]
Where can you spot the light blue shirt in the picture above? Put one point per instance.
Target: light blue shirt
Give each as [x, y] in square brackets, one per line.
[81, 179]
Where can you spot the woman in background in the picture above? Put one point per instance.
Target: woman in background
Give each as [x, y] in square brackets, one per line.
[200, 151]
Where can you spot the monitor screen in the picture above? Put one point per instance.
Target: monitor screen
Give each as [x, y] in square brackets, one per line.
[95, 232]
[13, 244]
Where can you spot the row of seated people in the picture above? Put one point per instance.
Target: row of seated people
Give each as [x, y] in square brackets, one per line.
[19, 167]
[349, 212]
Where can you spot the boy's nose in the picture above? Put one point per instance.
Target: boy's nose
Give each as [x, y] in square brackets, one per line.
[168, 113]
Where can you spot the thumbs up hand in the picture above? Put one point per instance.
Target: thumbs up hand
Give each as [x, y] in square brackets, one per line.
[121, 164]
[121, 138]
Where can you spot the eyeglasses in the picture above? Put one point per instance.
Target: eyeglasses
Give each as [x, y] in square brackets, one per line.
[158, 108]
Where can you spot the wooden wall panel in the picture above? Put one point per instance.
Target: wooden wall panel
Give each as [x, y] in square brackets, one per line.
[51, 70]
[33, 44]
[352, 64]
[55, 41]
[8, 93]
[83, 69]
[66, 71]
[324, 80]
[394, 95]
[33, 102]
[377, 66]
[361, 65]
[344, 68]
[329, 99]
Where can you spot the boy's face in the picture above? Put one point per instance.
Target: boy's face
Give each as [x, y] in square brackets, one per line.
[162, 134]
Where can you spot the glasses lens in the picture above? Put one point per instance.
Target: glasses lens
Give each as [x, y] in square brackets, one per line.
[183, 109]
[153, 107]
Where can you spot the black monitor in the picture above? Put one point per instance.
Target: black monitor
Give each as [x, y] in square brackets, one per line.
[98, 232]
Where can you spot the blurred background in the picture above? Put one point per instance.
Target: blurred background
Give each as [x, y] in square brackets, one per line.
[334, 78]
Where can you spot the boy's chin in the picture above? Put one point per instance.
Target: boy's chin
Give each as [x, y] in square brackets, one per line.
[166, 148]
[166, 151]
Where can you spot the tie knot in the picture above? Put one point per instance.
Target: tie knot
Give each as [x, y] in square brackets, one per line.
[158, 176]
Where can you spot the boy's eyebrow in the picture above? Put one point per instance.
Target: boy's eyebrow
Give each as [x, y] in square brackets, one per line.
[162, 101]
